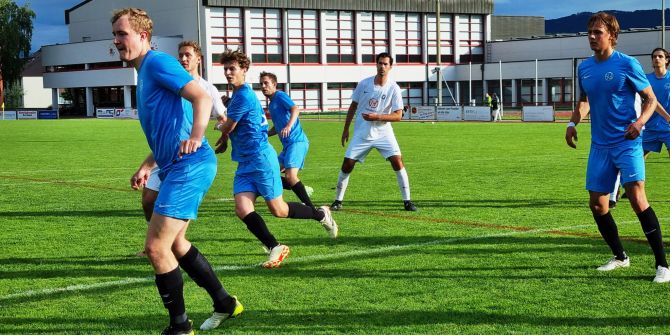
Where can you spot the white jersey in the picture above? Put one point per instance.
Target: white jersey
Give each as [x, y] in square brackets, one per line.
[217, 105]
[375, 99]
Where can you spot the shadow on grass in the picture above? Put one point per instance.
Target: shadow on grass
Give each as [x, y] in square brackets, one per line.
[309, 321]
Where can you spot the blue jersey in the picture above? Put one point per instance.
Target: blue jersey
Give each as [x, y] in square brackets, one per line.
[280, 110]
[611, 86]
[166, 118]
[250, 136]
[661, 87]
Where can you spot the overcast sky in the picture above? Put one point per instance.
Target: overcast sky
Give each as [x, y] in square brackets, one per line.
[49, 25]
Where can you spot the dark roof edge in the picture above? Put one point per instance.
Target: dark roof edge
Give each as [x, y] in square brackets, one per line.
[423, 6]
[67, 11]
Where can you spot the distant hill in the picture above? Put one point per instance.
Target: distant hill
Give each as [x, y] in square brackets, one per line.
[648, 18]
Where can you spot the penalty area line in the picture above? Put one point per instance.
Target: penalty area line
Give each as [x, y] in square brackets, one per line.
[296, 260]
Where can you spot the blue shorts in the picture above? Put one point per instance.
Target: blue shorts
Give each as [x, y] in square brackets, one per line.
[654, 140]
[184, 186]
[605, 163]
[259, 175]
[293, 155]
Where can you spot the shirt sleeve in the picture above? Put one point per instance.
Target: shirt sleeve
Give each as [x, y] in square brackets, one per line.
[217, 104]
[356, 96]
[286, 101]
[396, 104]
[168, 73]
[239, 105]
[636, 76]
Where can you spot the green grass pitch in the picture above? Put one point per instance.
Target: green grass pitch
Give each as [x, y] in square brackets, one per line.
[503, 241]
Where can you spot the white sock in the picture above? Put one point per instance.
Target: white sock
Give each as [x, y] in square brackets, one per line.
[616, 188]
[342, 182]
[403, 183]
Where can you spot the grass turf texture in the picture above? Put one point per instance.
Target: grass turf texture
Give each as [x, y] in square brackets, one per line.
[503, 241]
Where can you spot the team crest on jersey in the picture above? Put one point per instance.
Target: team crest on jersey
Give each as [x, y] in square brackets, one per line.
[609, 76]
[667, 86]
[373, 103]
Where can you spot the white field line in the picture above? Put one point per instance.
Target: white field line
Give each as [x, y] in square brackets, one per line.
[363, 252]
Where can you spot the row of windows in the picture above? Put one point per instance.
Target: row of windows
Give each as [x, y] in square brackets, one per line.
[303, 39]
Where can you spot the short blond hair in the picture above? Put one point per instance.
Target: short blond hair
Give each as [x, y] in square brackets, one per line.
[192, 44]
[138, 18]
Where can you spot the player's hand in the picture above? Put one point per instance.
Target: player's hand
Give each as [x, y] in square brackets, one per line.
[285, 132]
[345, 136]
[571, 136]
[139, 179]
[371, 117]
[633, 131]
[221, 144]
[189, 146]
[218, 125]
[225, 100]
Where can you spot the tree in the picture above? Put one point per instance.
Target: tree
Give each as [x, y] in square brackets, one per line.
[16, 33]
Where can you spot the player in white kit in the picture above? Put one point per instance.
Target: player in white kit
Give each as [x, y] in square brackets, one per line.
[376, 101]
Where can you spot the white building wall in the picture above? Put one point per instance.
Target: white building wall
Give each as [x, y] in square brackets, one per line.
[92, 20]
[35, 95]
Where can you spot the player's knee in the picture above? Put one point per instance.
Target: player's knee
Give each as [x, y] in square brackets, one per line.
[155, 252]
[597, 208]
[279, 211]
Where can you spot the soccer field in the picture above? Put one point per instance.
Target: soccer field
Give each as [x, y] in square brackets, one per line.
[503, 241]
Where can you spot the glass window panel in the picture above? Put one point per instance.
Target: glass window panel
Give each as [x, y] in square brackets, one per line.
[257, 23]
[310, 24]
[234, 32]
[311, 33]
[274, 49]
[273, 33]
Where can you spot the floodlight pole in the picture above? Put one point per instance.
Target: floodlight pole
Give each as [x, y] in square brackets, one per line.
[663, 24]
[438, 73]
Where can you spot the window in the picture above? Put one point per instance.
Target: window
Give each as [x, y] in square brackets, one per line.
[446, 38]
[303, 36]
[105, 65]
[477, 90]
[412, 93]
[471, 37]
[448, 91]
[266, 41]
[374, 35]
[526, 90]
[307, 96]
[340, 45]
[339, 95]
[408, 37]
[493, 86]
[560, 90]
[226, 26]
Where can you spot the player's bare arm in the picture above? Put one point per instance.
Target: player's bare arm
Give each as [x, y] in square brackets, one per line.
[577, 115]
[139, 179]
[347, 121]
[648, 107]
[202, 106]
[662, 112]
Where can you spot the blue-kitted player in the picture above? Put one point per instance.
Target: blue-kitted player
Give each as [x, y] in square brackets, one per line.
[257, 171]
[174, 128]
[286, 124]
[608, 81]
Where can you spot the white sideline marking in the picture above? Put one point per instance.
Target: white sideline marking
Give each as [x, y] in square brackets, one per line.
[128, 281]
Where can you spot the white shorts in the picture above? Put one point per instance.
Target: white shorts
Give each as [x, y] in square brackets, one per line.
[359, 148]
[154, 183]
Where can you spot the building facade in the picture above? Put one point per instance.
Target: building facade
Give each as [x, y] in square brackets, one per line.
[319, 50]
